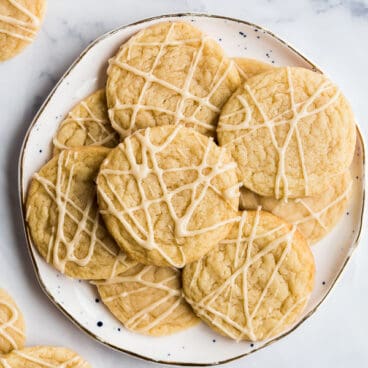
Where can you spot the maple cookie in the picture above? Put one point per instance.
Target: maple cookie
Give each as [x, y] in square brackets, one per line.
[248, 68]
[43, 357]
[169, 73]
[87, 124]
[63, 217]
[19, 22]
[315, 216]
[289, 130]
[256, 283]
[168, 195]
[11, 324]
[148, 300]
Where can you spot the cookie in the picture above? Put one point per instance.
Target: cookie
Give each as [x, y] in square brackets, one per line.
[87, 124]
[256, 283]
[148, 300]
[43, 357]
[11, 324]
[248, 68]
[63, 217]
[169, 73]
[289, 130]
[168, 195]
[315, 216]
[19, 22]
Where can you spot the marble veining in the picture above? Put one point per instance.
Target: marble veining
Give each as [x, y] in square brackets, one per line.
[355, 7]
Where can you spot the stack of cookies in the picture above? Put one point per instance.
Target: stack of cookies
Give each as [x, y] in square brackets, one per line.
[226, 172]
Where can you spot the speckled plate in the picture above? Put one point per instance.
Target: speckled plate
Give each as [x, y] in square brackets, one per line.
[77, 300]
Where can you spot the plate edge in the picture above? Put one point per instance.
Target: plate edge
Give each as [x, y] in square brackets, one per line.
[22, 193]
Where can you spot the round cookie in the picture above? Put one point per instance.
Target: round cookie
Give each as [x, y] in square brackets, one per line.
[168, 195]
[19, 22]
[12, 325]
[148, 300]
[248, 68]
[289, 130]
[255, 284]
[169, 73]
[87, 124]
[43, 357]
[63, 217]
[315, 216]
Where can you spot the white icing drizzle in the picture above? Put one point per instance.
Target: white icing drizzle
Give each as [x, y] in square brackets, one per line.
[87, 222]
[196, 273]
[8, 328]
[4, 363]
[173, 297]
[316, 215]
[123, 259]
[207, 306]
[184, 92]
[286, 315]
[75, 362]
[105, 136]
[232, 192]
[299, 111]
[241, 71]
[23, 30]
[145, 237]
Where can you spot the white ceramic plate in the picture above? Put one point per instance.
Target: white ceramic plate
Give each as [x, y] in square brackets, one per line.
[198, 345]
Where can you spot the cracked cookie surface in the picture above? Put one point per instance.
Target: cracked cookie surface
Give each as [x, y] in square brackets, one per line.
[87, 124]
[20, 21]
[148, 300]
[169, 73]
[42, 357]
[63, 217]
[256, 283]
[289, 130]
[168, 195]
[248, 68]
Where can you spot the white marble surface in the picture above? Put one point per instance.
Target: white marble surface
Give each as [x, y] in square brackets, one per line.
[332, 33]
